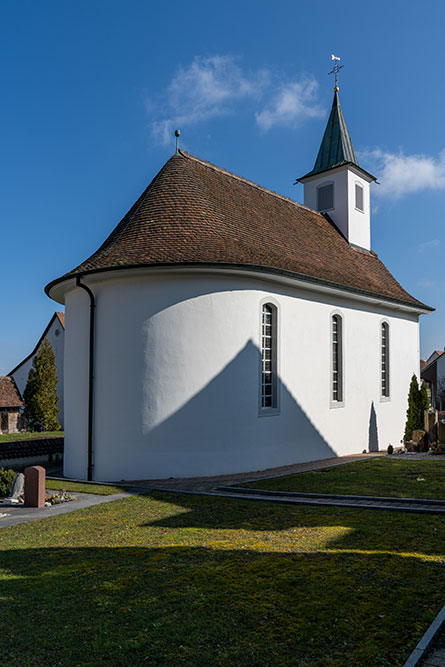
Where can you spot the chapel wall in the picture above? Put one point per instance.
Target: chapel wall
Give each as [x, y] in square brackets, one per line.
[177, 366]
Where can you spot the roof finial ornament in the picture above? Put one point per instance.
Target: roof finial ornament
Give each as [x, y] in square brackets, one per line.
[177, 135]
[335, 70]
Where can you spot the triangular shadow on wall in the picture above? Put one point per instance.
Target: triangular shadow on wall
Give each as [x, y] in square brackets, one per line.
[221, 423]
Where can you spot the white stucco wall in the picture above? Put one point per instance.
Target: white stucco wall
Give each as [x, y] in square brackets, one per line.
[353, 224]
[56, 336]
[177, 377]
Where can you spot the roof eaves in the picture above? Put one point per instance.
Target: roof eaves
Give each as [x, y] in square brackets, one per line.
[335, 166]
[417, 305]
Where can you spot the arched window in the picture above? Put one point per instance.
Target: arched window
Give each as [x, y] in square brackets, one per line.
[337, 359]
[268, 356]
[385, 359]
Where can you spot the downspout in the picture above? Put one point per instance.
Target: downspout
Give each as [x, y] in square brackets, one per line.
[90, 379]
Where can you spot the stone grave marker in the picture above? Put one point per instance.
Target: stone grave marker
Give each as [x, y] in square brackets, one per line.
[35, 486]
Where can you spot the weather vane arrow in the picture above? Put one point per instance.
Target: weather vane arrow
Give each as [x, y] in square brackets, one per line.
[335, 70]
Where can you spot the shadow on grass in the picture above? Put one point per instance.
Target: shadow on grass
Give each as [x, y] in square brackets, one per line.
[212, 581]
[362, 529]
[204, 606]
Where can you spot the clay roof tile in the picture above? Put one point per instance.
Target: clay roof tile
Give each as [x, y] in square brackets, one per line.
[196, 213]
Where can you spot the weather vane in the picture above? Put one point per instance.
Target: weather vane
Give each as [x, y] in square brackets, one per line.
[335, 70]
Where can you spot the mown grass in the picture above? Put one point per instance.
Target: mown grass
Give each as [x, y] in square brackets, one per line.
[12, 437]
[375, 477]
[170, 579]
[78, 487]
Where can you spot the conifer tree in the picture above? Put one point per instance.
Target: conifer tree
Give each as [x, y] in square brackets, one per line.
[424, 402]
[40, 396]
[413, 411]
[418, 402]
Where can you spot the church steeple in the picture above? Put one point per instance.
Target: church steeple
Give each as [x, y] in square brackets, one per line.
[337, 185]
[336, 147]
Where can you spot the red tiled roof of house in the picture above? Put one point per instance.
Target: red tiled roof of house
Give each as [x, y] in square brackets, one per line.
[196, 213]
[9, 394]
[61, 317]
[423, 364]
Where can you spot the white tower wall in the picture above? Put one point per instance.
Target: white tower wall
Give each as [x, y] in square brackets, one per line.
[355, 225]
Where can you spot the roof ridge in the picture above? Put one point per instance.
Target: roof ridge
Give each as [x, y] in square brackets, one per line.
[210, 165]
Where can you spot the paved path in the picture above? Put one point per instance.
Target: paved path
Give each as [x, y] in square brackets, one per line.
[11, 515]
[207, 483]
[362, 502]
[437, 656]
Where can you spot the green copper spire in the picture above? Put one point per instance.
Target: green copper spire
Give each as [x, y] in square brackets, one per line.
[336, 147]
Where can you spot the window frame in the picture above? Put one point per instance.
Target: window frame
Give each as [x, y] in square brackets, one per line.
[385, 363]
[357, 184]
[340, 362]
[323, 185]
[274, 409]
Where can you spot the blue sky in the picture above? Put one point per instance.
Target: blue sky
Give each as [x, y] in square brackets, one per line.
[92, 92]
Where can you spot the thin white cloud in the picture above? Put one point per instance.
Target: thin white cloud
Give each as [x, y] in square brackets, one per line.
[401, 174]
[213, 87]
[206, 89]
[292, 103]
[424, 282]
[427, 245]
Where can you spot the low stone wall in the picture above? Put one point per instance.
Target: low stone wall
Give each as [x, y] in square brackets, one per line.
[31, 449]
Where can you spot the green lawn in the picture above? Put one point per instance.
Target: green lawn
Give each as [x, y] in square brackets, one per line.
[170, 579]
[78, 487]
[12, 437]
[375, 477]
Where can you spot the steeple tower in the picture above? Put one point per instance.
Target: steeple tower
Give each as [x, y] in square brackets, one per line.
[336, 146]
[337, 185]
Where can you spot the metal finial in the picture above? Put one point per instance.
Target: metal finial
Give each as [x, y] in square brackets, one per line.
[335, 70]
[177, 135]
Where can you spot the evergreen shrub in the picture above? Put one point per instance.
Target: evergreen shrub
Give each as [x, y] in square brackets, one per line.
[7, 478]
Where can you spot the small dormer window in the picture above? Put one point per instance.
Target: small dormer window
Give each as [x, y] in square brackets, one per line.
[325, 197]
[359, 197]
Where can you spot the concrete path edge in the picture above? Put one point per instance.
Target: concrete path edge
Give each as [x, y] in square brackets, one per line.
[422, 647]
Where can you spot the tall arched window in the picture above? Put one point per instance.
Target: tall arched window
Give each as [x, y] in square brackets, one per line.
[337, 359]
[385, 359]
[268, 356]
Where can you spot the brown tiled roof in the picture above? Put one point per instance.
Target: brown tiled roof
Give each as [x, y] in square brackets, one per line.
[61, 318]
[195, 213]
[9, 394]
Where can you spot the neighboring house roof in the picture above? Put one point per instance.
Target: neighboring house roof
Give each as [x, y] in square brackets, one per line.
[336, 147]
[57, 315]
[434, 355]
[196, 214]
[9, 394]
[423, 364]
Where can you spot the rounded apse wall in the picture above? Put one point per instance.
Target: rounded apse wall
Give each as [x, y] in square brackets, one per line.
[177, 378]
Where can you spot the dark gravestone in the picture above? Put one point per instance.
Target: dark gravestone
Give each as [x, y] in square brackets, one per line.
[35, 486]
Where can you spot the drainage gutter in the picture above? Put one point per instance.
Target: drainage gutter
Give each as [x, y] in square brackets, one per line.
[90, 379]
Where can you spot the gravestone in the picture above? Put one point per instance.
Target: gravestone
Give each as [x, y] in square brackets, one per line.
[16, 490]
[35, 486]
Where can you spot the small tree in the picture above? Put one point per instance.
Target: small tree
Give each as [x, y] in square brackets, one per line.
[40, 395]
[413, 412]
[424, 400]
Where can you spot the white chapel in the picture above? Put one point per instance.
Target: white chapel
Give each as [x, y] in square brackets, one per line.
[224, 328]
